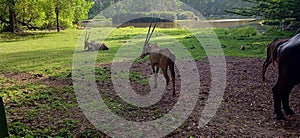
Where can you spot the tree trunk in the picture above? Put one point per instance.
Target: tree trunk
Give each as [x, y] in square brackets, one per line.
[13, 23]
[3, 123]
[57, 17]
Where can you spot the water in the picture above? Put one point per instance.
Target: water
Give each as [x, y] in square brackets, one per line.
[222, 23]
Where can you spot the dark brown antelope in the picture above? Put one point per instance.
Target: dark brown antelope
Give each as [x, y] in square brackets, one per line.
[272, 54]
[159, 58]
[93, 45]
[288, 55]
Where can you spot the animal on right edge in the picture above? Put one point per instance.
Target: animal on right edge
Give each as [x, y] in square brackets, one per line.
[288, 57]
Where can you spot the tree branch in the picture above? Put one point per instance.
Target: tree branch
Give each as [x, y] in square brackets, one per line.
[29, 26]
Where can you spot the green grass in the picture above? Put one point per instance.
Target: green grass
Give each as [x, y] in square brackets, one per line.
[46, 53]
[51, 54]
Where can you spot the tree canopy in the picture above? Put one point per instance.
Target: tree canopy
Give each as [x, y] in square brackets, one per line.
[41, 14]
[210, 8]
[207, 8]
[270, 9]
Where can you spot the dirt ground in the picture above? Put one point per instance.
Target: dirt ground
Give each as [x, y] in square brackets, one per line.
[246, 109]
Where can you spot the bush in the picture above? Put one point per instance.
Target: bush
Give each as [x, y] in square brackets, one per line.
[271, 22]
[187, 15]
[241, 33]
[293, 26]
[100, 18]
[142, 17]
[247, 31]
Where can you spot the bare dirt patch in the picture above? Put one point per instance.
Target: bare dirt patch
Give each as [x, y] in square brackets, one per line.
[39, 78]
[246, 110]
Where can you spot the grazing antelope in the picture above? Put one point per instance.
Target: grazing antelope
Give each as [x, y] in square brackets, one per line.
[93, 45]
[159, 58]
[272, 54]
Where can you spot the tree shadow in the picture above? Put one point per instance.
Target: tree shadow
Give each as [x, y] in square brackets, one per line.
[22, 36]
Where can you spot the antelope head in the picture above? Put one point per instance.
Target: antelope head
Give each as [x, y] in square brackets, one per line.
[86, 38]
[146, 47]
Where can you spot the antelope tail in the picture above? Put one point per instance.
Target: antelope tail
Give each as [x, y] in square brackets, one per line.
[274, 52]
[274, 57]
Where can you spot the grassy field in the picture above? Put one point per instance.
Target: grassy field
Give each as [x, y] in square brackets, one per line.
[25, 58]
[52, 53]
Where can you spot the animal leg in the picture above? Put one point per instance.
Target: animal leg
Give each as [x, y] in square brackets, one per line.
[172, 70]
[155, 76]
[155, 80]
[285, 101]
[165, 73]
[277, 102]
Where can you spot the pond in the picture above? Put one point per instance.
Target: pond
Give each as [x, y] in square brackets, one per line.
[220, 23]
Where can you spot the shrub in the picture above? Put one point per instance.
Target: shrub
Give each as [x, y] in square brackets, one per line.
[241, 33]
[142, 17]
[271, 22]
[187, 15]
[247, 31]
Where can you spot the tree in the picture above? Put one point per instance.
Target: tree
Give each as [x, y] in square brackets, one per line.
[57, 16]
[206, 7]
[13, 24]
[41, 14]
[130, 6]
[270, 9]
[213, 7]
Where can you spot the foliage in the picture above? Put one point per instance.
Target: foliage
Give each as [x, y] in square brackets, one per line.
[109, 8]
[186, 15]
[206, 7]
[32, 14]
[210, 8]
[143, 17]
[271, 9]
[100, 5]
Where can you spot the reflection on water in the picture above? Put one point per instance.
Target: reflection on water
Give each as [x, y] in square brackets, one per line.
[223, 23]
[231, 22]
[159, 25]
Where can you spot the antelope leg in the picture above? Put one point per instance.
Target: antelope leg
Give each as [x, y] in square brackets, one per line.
[165, 73]
[155, 80]
[155, 76]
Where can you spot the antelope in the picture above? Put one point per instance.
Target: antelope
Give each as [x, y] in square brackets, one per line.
[272, 54]
[93, 45]
[159, 58]
[288, 55]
